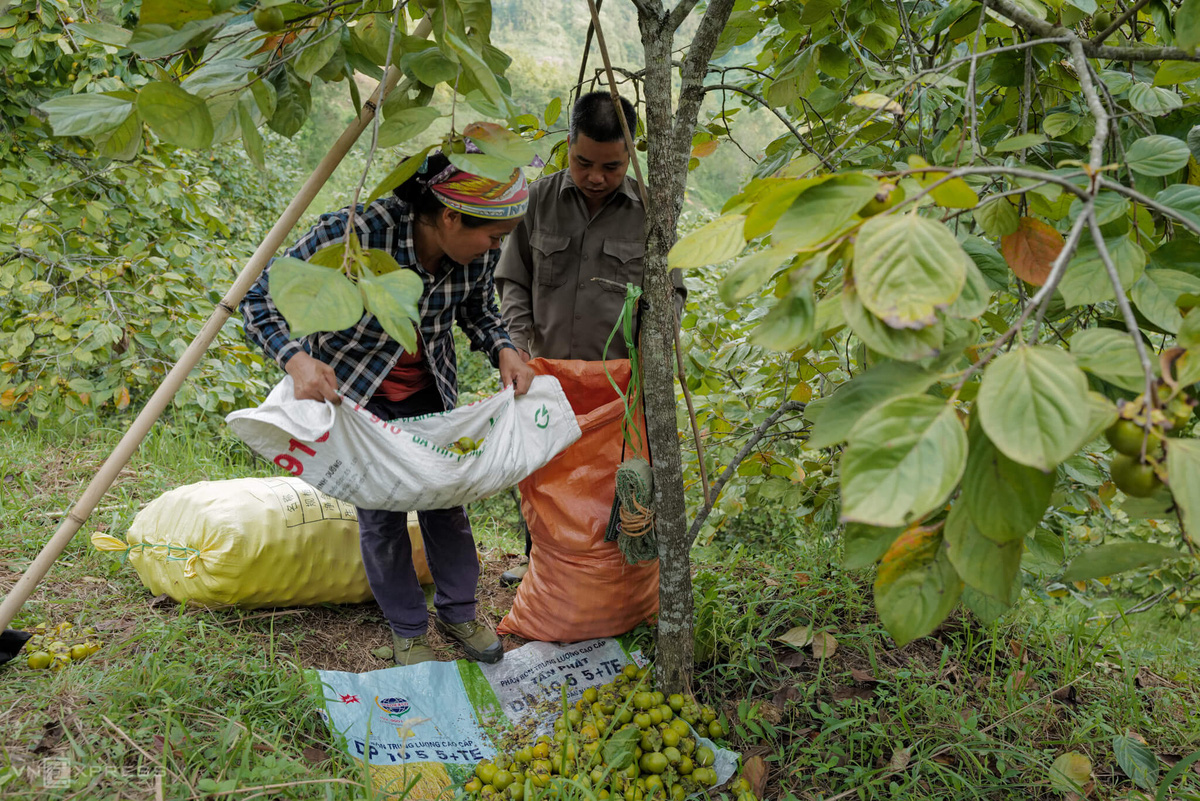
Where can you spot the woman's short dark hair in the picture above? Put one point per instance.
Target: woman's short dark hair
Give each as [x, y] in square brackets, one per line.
[424, 204]
[594, 116]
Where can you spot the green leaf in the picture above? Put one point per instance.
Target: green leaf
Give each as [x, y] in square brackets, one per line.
[407, 124]
[292, 102]
[1189, 331]
[1031, 405]
[718, 241]
[124, 142]
[1112, 558]
[313, 298]
[903, 460]
[1109, 207]
[1153, 100]
[1171, 73]
[1136, 760]
[1086, 280]
[1101, 413]
[998, 217]
[865, 545]
[406, 169]
[1004, 499]
[1183, 473]
[1193, 141]
[319, 46]
[172, 12]
[495, 140]
[990, 263]
[620, 749]
[823, 210]
[430, 66]
[1157, 293]
[1187, 25]
[984, 607]
[393, 298]
[906, 267]
[1060, 123]
[1182, 199]
[478, 69]
[907, 345]
[952, 194]
[853, 399]
[1019, 142]
[1070, 773]
[916, 586]
[553, 110]
[1111, 355]
[177, 117]
[251, 139]
[772, 197]
[751, 272]
[976, 294]
[1157, 155]
[102, 32]
[493, 167]
[789, 324]
[158, 41]
[797, 79]
[87, 114]
[981, 562]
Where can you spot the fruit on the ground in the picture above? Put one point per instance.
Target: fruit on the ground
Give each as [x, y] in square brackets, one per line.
[55, 647]
[1132, 477]
[268, 20]
[600, 745]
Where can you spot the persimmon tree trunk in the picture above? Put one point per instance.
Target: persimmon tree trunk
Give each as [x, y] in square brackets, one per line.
[669, 129]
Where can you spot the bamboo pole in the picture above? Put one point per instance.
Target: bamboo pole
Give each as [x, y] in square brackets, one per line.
[154, 408]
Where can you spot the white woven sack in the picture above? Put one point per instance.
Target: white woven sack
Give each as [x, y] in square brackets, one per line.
[349, 453]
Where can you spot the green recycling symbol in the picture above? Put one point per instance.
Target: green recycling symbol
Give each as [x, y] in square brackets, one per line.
[541, 417]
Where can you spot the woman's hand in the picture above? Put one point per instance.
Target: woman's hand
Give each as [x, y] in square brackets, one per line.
[314, 379]
[514, 371]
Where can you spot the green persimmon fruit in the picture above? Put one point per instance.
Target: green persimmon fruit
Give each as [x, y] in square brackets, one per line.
[1133, 478]
[268, 20]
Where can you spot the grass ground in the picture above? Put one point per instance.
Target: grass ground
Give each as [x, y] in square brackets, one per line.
[188, 704]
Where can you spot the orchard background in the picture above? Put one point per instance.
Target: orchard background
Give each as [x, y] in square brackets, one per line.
[936, 251]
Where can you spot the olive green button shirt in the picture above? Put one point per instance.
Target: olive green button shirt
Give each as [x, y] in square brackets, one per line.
[548, 300]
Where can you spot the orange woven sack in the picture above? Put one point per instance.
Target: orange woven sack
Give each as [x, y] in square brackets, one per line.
[578, 586]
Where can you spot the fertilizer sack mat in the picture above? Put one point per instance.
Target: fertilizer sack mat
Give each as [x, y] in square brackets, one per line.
[407, 465]
[578, 586]
[251, 542]
[427, 725]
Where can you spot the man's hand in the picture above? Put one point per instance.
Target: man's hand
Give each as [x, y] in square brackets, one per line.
[514, 371]
[524, 354]
[314, 379]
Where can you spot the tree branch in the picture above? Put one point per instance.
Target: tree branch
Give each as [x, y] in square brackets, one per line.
[1124, 17]
[727, 473]
[1043, 28]
[782, 117]
[1166, 211]
[680, 12]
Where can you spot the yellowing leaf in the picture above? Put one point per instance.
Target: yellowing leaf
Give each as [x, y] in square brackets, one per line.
[122, 398]
[802, 393]
[705, 149]
[951, 194]
[714, 243]
[1071, 772]
[797, 637]
[1031, 250]
[823, 644]
[877, 101]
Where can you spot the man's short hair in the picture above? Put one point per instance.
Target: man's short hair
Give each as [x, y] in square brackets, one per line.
[594, 116]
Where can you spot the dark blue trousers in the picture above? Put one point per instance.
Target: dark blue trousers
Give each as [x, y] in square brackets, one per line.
[449, 547]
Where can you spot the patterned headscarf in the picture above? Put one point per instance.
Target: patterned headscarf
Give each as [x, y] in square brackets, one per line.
[479, 196]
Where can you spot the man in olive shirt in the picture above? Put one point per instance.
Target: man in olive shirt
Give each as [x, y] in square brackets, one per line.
[583, 222]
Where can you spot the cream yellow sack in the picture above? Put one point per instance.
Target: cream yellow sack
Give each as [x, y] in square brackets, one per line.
[250, 542]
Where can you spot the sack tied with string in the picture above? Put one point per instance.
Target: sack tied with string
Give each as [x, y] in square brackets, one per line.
[407, 465]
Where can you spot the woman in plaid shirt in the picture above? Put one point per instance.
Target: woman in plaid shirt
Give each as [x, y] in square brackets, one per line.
[446, 226]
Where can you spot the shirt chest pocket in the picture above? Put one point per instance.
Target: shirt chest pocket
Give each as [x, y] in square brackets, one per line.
[551, 258]
[623, 263]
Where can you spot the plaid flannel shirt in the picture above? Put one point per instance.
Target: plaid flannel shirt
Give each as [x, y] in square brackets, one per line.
[364, 354]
